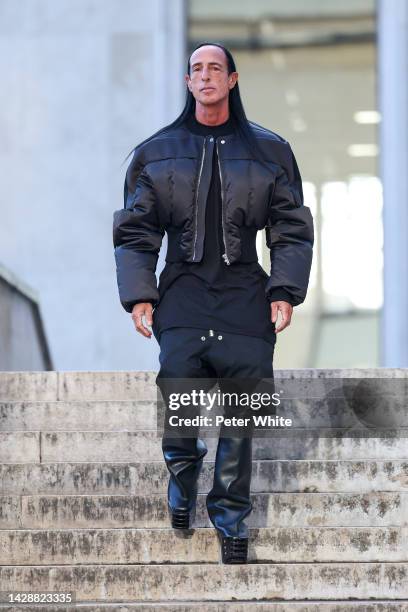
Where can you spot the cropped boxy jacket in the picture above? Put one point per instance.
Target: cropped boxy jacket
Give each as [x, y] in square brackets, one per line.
[166, 187]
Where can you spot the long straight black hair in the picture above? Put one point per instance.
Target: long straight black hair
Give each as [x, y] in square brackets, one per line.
[236, 109]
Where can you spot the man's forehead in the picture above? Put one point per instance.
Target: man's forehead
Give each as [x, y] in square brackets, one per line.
[209, 55]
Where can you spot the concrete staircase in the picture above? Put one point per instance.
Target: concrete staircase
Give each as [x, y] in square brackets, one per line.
[84, 508]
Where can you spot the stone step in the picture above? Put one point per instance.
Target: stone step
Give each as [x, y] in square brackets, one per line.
[141, 385]
[248, 606]
[110, 415]
[150, 511]
[125, 446]
[152, 477]
[78, 415]
[191, 582]
[53, 386]
[133, 546]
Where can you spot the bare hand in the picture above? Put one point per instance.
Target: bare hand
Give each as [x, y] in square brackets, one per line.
[285, 309]
[139, 310]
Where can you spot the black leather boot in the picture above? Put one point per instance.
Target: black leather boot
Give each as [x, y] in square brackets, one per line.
[184, 460]
[181, 518]
[229, 502]
[233, 550]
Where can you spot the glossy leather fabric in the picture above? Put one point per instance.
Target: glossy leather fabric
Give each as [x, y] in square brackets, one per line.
[165, 192]
[221, 357]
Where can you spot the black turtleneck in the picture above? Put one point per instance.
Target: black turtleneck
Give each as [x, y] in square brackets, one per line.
[212, 262]
[209, 294]
[228, 127]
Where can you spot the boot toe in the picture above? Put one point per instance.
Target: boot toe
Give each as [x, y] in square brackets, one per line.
[181, 518]
[234, 549]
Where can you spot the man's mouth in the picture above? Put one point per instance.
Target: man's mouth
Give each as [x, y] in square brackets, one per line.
[207, 89]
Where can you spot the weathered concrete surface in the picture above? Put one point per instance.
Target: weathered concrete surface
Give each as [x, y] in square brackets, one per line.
[331, 448]
[277, 545]
[215, 582]
[321, 606]
[77, 386]
[146, 446]
[269, 510]
[293, 606]
[10, 512]
[19, 446]
[107, 385]
[152, 477]
[129, 385]
[78, 415]
[77, 478]
[83, 486]
[118, 415]
[33, 386]
[101, 446]
[130, 446]
[314, 476]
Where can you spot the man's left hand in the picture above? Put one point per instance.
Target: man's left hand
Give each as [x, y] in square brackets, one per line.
[285, 309]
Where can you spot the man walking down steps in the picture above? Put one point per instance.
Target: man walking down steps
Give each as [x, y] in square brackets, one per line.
[212, 180]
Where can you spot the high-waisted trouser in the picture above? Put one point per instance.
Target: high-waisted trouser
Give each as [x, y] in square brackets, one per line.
[210, 354]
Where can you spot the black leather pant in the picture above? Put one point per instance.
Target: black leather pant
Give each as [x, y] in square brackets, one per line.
[190, 353]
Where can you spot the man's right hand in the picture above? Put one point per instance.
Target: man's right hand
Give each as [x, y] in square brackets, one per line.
[139, 310]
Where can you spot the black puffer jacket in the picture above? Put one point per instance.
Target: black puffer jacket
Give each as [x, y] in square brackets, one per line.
[166, 189]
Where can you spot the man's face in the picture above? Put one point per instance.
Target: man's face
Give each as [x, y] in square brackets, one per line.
[209, 81]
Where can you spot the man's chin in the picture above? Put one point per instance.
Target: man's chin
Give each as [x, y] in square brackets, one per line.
[209, 100]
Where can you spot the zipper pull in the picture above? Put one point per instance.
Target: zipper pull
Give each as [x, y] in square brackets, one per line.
[227, 261]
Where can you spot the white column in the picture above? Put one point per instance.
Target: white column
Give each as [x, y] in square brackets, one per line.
[393, 105]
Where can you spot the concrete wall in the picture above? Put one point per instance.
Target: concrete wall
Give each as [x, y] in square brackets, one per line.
[23, 345]
[82, 82]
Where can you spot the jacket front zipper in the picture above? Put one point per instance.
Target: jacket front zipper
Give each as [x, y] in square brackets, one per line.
[225, 255]
[196, 198]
